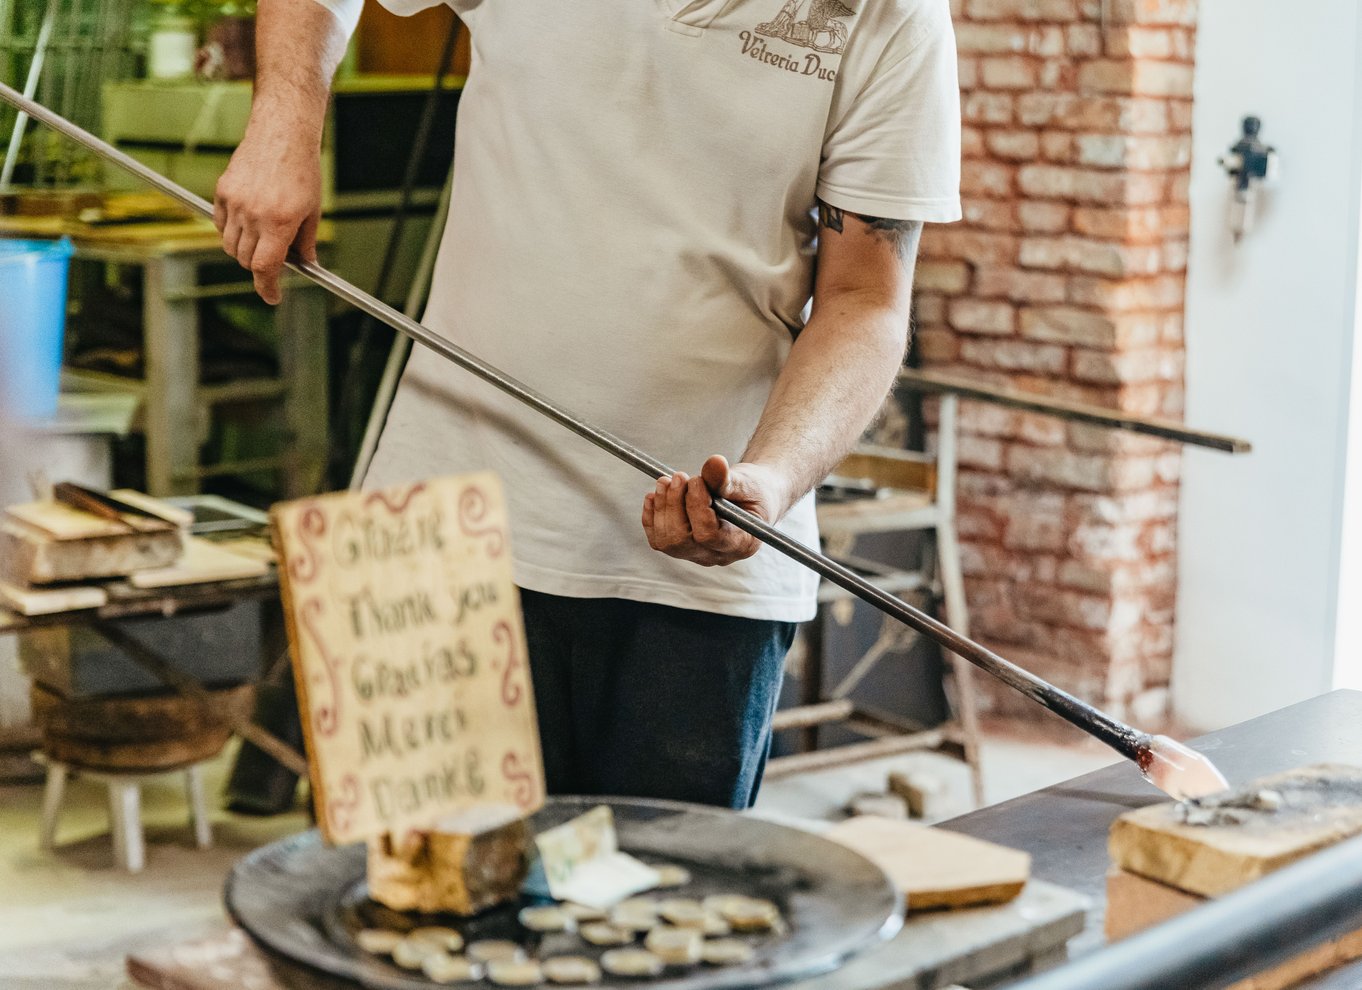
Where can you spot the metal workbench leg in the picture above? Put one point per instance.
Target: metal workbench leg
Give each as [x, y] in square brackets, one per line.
[953, 590]
[171, 358]
[303, 363]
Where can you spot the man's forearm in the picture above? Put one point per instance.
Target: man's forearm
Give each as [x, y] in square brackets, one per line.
[835, 379]
[299, 43]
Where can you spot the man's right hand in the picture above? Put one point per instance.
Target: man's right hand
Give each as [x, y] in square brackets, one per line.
[268, 202]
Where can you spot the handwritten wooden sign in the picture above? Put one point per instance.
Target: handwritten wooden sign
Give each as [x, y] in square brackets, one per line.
[409, 655]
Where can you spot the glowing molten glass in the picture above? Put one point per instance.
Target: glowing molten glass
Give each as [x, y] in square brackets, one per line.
[1179, 771]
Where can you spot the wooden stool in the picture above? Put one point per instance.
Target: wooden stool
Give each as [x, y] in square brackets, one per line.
[125, 800]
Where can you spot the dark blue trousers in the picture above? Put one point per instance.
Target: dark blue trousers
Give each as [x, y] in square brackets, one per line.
[643, 700]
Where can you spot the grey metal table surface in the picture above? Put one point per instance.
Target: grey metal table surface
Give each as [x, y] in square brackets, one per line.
[1064, 827]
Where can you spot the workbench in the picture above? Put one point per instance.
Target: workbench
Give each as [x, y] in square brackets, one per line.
[126, 601]
[1064, 827]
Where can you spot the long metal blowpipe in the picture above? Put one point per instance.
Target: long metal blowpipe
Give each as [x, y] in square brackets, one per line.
[1167, 764]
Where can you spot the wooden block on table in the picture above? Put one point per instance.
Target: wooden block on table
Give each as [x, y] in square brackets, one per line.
[29, 555]
[927, 795]
[880, 805]
[173, 514]
[461, 872]
[936, 868]
[64, 522]
[202, 562]
[1135, 903]
[46, 601]
[1228, 842]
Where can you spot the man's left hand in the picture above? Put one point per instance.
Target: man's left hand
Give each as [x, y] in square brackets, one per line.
[680, 520]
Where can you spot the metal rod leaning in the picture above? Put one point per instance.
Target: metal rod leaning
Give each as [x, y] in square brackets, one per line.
[1127, 741]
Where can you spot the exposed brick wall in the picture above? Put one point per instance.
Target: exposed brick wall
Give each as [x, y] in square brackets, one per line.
[1067, 278]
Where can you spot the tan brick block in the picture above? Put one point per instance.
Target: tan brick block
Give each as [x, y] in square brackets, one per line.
[986, 179]
[1043, 431]
[976, 247]
[1180, 115]
[929, 308]
[1044, 109]
[949, 277]
[1083, 254]
[1134, 152]
[1081, 185]
[1120, 223]
[1008, 72]
[1107, 76]
[967, 71]
[1047, 42]
[1014, 355]
[1083, 40]
[1031, 288]
[1171, 12]
[1085, 577]
[972, 143]
[1158, 293]
[1159, 79]
[1066, 325]
[982, 316]
[1022, 10]
[987, 419]
[989, 39]
[1014, 145]
[1057, 147]
[1140, 42]
[1043, 217]
[980, 452]
[987, 108]
[1137, 78]
[937, 343]
[990, 214]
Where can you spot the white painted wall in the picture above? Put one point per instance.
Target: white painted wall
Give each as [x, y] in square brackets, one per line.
[1270, 330]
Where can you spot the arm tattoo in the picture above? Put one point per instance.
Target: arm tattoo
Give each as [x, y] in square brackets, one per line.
[902, 234]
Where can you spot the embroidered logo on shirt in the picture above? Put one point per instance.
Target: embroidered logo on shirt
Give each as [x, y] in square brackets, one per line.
[821, 30]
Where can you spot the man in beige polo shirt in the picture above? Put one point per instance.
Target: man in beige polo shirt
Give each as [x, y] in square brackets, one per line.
[647, 195]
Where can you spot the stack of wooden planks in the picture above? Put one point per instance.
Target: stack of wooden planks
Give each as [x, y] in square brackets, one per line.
[52, 552]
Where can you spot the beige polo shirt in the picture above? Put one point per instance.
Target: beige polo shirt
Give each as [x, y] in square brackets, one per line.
[631, 234]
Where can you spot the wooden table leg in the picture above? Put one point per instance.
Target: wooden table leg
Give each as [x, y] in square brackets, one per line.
[171, 372]
[303, 340]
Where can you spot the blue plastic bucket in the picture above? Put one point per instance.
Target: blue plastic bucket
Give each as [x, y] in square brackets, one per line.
[32, 325]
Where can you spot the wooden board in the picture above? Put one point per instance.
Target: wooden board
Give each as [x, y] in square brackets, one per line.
[1134, 904]
[409, 656]
[936, 868]
[46, 601]
[29, 556]
[156, 506]
[202, 562]
[64, 522]
[1319, 806]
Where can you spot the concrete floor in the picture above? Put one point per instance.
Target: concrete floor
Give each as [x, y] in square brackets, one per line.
[67, 919]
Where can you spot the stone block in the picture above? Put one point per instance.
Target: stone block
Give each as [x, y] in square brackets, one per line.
[983, 316]
[1014, 145]
[1008, 72]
